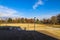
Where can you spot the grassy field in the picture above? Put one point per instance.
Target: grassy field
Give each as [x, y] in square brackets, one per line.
[52, 31]
[24, 25]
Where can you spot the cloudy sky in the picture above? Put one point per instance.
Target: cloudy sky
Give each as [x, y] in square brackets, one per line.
[29, 8]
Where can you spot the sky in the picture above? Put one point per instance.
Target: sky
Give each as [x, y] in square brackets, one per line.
[29, 8]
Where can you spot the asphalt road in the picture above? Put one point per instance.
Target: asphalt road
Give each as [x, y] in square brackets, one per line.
[24, 35]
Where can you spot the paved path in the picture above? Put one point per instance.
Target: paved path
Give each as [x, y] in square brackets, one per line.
[24, 35]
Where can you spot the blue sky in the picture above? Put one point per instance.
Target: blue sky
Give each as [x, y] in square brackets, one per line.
[29, 8]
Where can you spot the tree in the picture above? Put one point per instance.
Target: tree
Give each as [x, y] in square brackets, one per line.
[22, 20]
[9, 20]
[31, 20]
[54, 19]
[27, 20]
[45, 21]
[58, 18]
[37, 21]
[18, 20]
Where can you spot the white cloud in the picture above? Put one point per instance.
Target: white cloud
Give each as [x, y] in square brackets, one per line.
[8, 12]
[40, 2]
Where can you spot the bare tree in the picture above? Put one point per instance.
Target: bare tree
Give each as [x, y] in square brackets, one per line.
[54, 19]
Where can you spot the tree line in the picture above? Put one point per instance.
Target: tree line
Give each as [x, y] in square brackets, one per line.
[52, 20]
[19, 20]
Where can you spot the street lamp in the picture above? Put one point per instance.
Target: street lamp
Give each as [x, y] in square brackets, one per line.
[34, 23]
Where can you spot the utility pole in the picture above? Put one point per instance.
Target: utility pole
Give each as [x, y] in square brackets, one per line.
[34, 23]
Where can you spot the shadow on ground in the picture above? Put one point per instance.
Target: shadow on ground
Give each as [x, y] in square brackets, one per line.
[24, 35]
